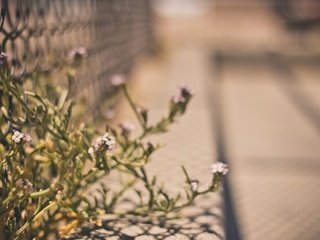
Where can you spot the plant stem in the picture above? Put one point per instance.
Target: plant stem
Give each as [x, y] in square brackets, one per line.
[144, 178]
[40, 193]
[35, 217]
[134, 108]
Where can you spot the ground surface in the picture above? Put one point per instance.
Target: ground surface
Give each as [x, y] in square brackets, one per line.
[263, 87]
[256, 106]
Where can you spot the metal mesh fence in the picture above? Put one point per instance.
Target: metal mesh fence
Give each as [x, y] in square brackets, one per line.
[114, 32]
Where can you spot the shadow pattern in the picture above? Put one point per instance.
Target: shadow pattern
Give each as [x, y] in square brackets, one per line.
[199, 222]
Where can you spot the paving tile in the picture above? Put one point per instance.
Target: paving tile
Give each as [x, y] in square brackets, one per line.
[260, 119]
[274, 153]
[307, 76]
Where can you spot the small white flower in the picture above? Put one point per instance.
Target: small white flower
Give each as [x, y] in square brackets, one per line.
[219, 167]
[17, 136]
[90, 150]
[117, 80]
[194, 185]
[16, 139]
[59, 196]
[27, 137]
[80, 52]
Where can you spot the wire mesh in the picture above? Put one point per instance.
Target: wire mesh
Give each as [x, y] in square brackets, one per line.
[114, 32]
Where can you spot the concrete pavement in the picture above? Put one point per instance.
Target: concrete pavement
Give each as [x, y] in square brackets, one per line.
[262, 119]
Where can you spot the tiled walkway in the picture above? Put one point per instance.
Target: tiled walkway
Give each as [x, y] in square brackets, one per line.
[263, 104]
[271, 127]
[257, 111]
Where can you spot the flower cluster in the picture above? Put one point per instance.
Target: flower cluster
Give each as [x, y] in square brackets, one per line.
[75, 56]
[80, 52]
[219, 167]
[179, 103]
[184, 96]
[106, 142]
[19, 137]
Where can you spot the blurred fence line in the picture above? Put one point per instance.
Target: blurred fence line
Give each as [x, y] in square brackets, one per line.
[114, 32]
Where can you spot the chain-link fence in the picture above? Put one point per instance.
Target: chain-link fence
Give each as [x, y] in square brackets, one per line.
[114, 32]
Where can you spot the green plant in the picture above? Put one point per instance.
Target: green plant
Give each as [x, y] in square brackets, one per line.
[47, 161]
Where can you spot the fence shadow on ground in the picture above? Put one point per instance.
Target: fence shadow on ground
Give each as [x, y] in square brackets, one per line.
[198, 222]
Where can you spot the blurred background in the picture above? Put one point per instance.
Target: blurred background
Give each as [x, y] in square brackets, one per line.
[259, 64]
[254, 67]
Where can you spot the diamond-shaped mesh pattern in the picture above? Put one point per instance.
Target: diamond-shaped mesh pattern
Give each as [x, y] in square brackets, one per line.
[38, 32]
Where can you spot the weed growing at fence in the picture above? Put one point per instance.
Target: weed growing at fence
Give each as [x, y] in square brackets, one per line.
[44, 157]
